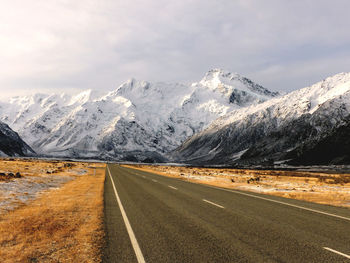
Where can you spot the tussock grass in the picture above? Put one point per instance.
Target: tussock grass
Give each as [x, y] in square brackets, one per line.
[63, 225]
[332, 198]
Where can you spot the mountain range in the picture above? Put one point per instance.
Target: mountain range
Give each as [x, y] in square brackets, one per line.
[224, 119]
[286, 129]
[138, 121]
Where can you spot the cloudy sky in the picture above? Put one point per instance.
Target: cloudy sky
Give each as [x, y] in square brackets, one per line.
[65, 46]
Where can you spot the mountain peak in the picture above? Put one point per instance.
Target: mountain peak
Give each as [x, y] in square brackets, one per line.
[219, 75]
[240, 90]
[327, 89]
[82, 97]
[339, 78]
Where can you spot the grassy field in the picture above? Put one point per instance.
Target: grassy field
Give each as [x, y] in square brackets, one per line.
[62, 224]
[324, 188]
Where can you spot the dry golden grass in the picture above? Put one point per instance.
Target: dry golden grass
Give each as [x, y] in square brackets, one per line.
[329, 198]
[324, 188]
[35, 167]
[63, 225]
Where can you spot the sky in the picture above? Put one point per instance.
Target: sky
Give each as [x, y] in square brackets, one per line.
[66, 46]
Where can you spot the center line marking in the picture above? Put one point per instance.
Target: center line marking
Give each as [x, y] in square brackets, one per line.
[270, 200]
[154, 180]
[280, 202]
[135, 244]
[213, 203]
[172, 187]
[337, 252]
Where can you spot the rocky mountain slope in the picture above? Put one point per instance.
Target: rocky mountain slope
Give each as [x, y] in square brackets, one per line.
[334, 148]
[11, 144]
[286, 128]
[137, 121]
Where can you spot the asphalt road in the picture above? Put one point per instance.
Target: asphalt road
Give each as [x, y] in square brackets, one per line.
[162, 219]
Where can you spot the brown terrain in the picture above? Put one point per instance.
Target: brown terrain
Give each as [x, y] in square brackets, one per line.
[51, 211]
[324, 188]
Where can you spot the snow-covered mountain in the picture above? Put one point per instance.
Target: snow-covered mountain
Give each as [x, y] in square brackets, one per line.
[137, 121]
[276, 130]
[11, 144]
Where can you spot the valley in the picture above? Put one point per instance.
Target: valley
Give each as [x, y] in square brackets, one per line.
[174, 131]
[59, 209]
[171, 220]
[52, 210]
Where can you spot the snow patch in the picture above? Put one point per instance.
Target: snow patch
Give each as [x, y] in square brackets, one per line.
[21, 190]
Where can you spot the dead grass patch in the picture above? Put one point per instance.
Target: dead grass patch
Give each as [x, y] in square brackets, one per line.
[62, 225]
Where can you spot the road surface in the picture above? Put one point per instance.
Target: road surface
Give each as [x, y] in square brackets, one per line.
[152, 218]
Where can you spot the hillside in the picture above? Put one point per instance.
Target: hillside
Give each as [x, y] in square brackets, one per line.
[270, 132]
[11, 144]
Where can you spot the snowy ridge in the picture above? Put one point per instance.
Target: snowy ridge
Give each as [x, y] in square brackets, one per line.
[275, 127]
[296, 103]
[136, 118]
[238, 89]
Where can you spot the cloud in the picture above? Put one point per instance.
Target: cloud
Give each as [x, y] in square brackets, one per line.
[65, 45]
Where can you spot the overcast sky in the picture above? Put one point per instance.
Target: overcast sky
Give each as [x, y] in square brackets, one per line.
[54, 46]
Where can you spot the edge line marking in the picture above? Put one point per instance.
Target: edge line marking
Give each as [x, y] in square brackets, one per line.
[337, 252]
[135, 244]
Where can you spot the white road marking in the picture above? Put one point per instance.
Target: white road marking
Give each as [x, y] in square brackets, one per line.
[154, 180]
[135, 244]
[283, 203]
[213, 203]
[143, 176]
[172, 187]
[337, 252]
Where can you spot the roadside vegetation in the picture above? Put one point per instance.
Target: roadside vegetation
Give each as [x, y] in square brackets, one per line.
[62, 224]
